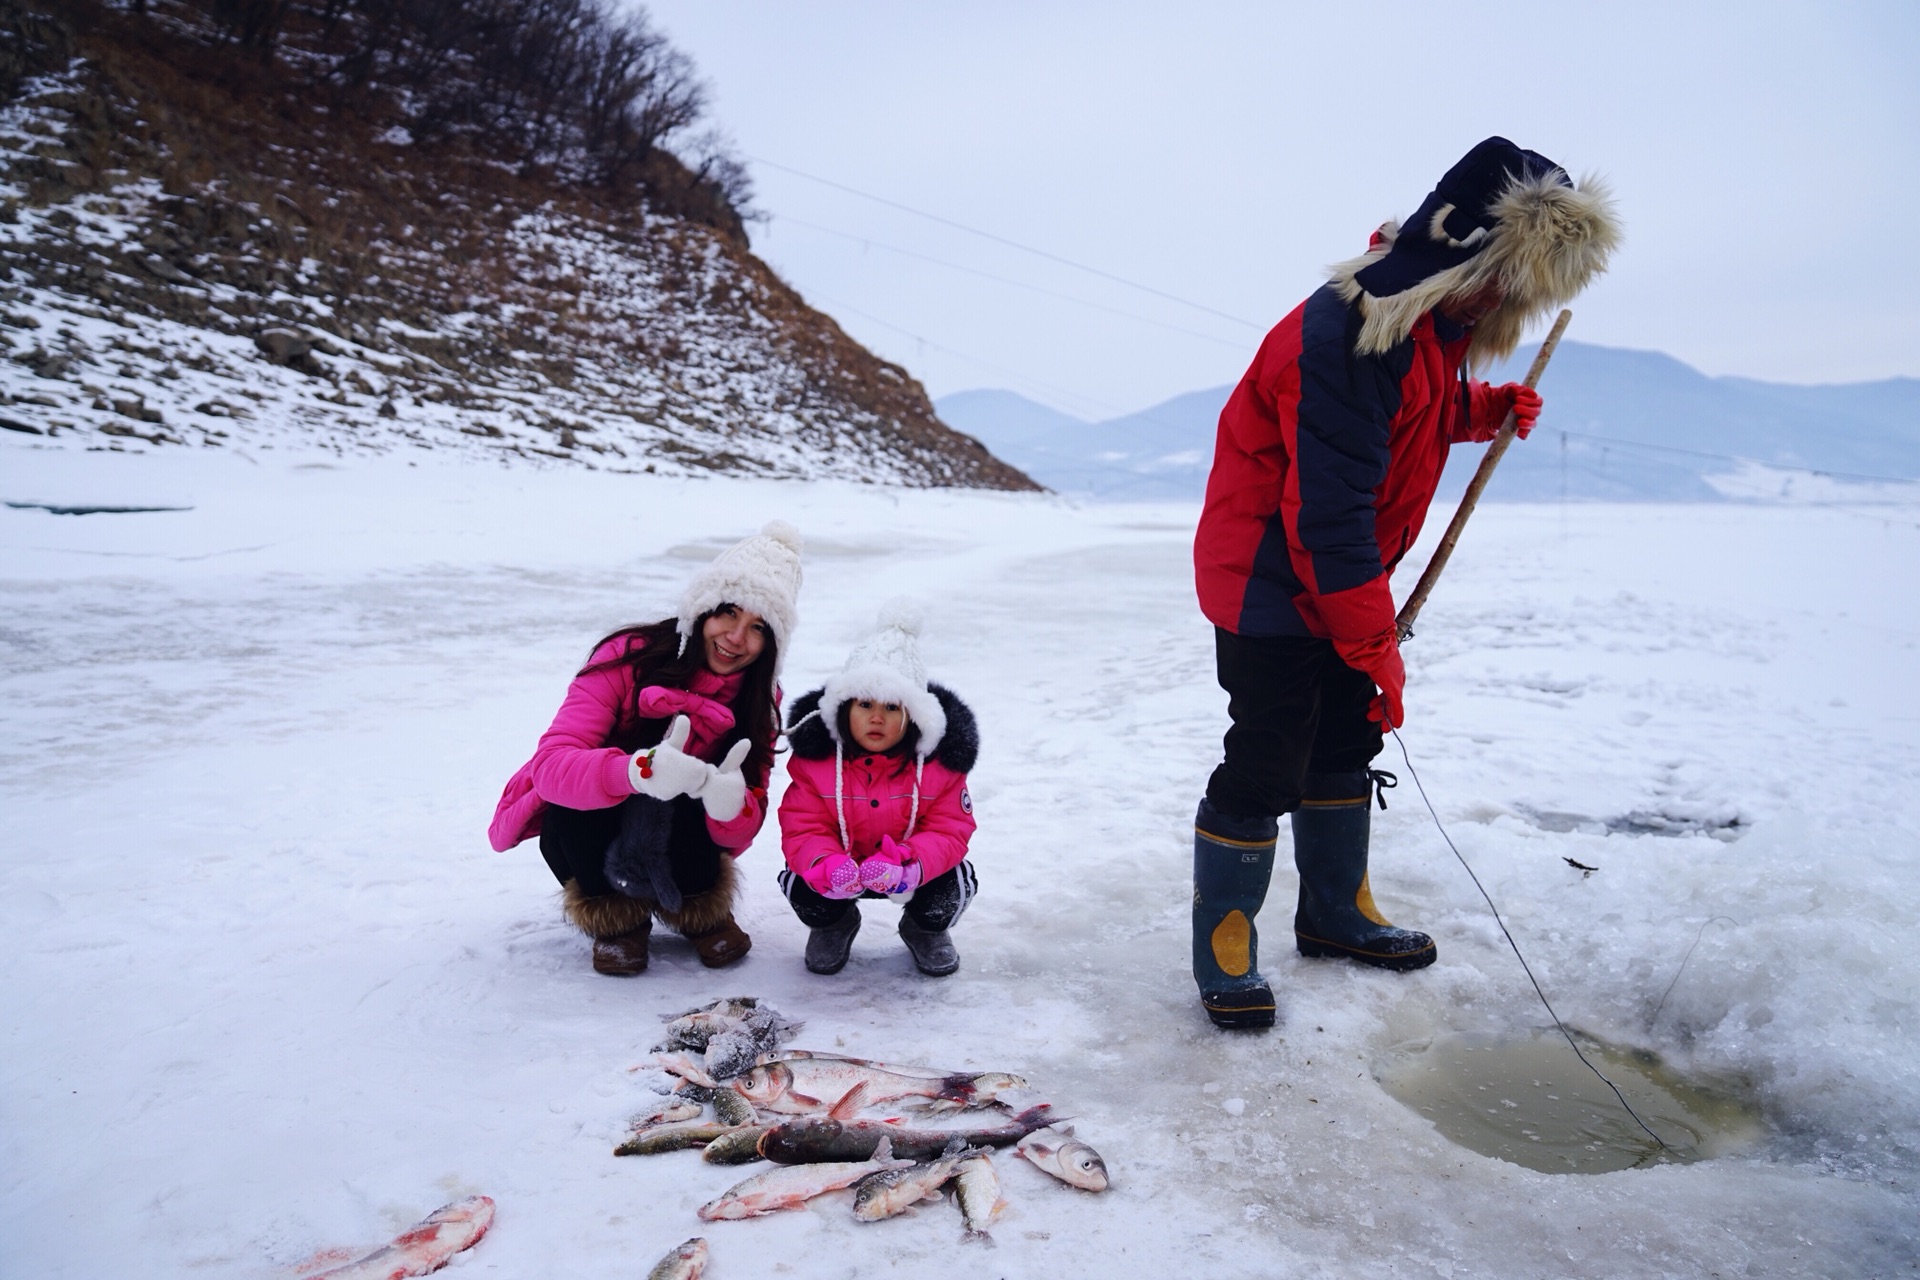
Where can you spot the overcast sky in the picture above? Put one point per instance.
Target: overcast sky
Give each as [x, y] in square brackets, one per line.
[1766, 158]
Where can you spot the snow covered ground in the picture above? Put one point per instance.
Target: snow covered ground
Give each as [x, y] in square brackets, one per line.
[267, 992]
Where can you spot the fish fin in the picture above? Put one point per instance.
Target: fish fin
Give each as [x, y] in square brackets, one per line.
[1035, 1117]
[850, 1103]
[1066, 1129]
[975, 1236]
[804, 1099]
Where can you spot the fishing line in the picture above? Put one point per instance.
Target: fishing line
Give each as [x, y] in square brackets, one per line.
[1571, 1043]
[1683, 966]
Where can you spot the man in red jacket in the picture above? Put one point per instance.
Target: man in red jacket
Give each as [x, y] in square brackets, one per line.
[1327, 455]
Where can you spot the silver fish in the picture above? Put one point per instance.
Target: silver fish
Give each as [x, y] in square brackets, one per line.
[890, 1191]
[1064, 1156]
[977, 1186]
[673, 1107]
[688, 1261]
[790, 1186]
[801, 1086]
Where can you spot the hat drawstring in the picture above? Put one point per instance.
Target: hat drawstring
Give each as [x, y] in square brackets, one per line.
[913, 815]
[839, 794]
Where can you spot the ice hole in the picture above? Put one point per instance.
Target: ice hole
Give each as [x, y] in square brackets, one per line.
[1524, 1096]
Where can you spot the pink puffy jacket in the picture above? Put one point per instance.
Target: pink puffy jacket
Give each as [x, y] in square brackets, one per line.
[574, 766]
[877, 795]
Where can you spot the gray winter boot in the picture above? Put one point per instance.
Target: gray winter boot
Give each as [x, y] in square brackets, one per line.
[1337, 915]
[1232, 863]
[828, 948]
[932, 950]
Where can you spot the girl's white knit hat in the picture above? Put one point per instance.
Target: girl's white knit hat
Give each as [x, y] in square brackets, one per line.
[886, 667]
[761, 573]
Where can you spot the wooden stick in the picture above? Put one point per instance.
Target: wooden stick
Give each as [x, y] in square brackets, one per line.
[1495, 451]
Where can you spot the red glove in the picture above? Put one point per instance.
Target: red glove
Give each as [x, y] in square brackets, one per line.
[1379, 657]
[1523, 400]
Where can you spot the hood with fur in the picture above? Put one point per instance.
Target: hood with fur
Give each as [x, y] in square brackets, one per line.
[957, 749]
[1538, 233]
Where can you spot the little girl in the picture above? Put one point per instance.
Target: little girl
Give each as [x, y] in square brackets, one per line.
[635, 817]
[877, 804]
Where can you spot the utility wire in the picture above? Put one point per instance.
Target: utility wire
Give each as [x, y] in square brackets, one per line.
[968, 356]
[787, 220]
[1735, 457]
[1537, 990]
[1011, 244]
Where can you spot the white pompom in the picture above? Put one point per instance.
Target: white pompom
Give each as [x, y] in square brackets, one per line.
[785, 534]
[900, 614]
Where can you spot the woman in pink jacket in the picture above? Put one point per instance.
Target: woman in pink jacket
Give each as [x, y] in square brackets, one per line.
[877, 803]
[653, 776]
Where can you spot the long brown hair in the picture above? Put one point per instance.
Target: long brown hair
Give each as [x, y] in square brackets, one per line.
[652, 653]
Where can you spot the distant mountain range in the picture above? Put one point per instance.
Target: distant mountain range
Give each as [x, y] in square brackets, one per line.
[1619, 425]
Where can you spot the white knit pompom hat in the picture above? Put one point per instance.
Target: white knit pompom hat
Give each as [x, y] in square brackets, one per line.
[886, 667]
[761, 573]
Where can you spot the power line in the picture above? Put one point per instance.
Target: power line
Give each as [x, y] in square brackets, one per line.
[1012, 244]
[1113, 409]
[1735, 457]
[787, 220]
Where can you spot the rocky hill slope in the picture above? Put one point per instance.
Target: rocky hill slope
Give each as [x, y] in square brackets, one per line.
[199, 249]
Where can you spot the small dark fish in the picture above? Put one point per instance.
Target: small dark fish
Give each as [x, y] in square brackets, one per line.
[672, 1137]
[730, 1108]
[740, 1146]
[890, 1191]
[812, 1139]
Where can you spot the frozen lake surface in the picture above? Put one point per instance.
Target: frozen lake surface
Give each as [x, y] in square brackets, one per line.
[268, 993]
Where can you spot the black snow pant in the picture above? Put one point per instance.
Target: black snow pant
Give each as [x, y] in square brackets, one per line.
[575, 842]
[934, 906]
[1296, 709]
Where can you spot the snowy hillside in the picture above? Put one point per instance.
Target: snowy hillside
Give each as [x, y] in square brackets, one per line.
[194, 259]
[1637, 426]
[269, 997]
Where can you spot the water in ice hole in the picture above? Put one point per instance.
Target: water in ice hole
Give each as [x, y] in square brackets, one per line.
[1523, 1096]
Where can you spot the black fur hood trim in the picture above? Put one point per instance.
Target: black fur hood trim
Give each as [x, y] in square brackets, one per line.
[959, 747]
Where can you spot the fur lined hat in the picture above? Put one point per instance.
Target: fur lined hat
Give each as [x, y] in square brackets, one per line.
[761, 573]
[886, 667]
[1501, 214]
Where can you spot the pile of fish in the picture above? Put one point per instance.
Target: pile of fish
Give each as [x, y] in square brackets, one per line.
[805, 1114]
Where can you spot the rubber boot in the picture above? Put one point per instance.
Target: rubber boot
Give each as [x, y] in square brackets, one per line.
[1232, 863]
[932, 950]
[1337, 915]
[828, 948]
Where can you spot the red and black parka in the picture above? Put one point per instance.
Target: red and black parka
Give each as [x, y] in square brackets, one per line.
[1323, 467]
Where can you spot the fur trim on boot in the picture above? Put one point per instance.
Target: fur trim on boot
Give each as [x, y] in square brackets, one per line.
[610, 916]
[702, 913]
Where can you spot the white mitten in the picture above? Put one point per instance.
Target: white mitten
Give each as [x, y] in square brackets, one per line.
[666, 771]
[726, 790]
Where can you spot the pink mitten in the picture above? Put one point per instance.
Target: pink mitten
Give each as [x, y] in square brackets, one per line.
[834, 876]
[894, 869]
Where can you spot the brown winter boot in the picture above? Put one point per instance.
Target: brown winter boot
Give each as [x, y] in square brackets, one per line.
[722, 946]
[624, 956]
[618, 925]
[706, 920]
